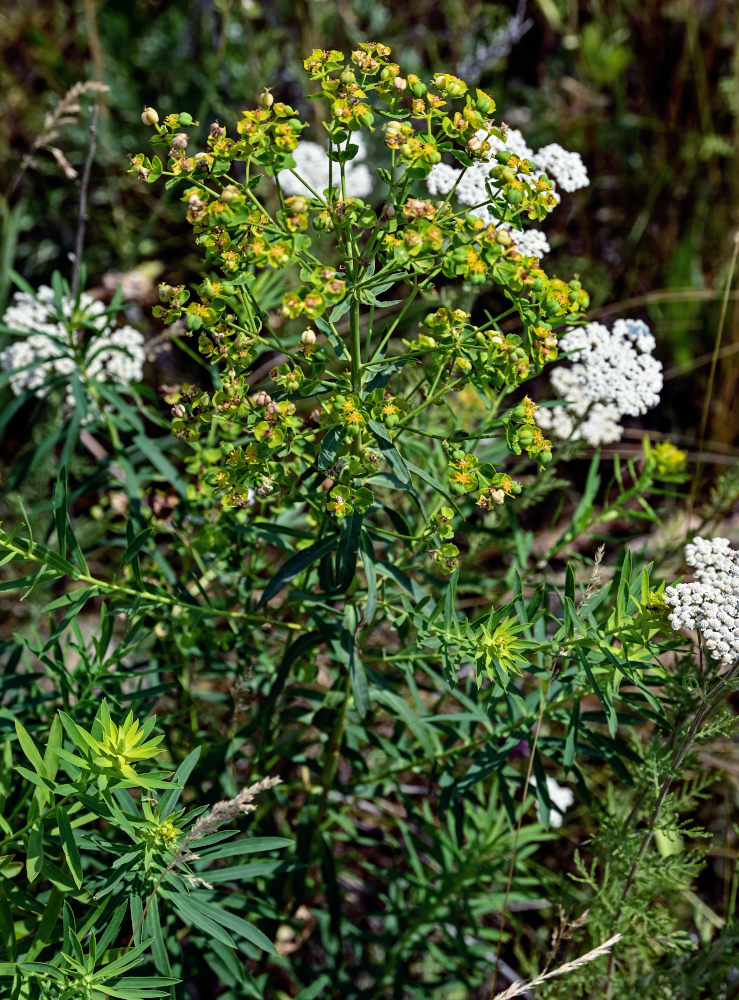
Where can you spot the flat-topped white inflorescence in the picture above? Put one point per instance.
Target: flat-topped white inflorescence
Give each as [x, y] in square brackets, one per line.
[612, 375]
[57, 339]
[566, 170]
[710, 602]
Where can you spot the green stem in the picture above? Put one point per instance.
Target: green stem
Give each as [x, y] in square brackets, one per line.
[356, 346]
[147, 595]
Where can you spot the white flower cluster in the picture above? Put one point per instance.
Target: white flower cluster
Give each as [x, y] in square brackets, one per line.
[563, 168]
[612, 375]
[710, 602]
[312, 163]
[51, 345]
[530, 242]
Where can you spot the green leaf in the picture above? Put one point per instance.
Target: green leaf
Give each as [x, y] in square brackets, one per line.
[295, 565]
[59, 503]
[433, 483]
[29, 749]
[571, 740]
[393, 457]
[194, 917]
[135, 545]
[346, 551]
[69, 846]
[367, 553]
[330, 445]
[610, 711]
[234, 923]
[570, 583]
[346, 650]
[340, 348]
[170, 799]
[251, 846]
[35, 851]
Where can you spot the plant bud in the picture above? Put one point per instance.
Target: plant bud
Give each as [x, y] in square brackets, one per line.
[525, 437]
[178, 410]
[308, 337]
[400, 83]
[262, 398]
[149, 116]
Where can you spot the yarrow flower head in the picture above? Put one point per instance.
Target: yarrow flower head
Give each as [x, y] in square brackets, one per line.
[612, 375]
[562, 168]
[710, 602]
[59, 338]
[312, 163]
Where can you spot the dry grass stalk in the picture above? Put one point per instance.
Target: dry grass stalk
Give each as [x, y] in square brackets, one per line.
[595, 580]
[66, 112]
[516, 989]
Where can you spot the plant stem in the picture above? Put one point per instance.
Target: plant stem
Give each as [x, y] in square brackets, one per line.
[79, 240]
[708, 704]
[356, 345]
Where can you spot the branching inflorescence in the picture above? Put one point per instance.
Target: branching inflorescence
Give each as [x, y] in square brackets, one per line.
[340, 256]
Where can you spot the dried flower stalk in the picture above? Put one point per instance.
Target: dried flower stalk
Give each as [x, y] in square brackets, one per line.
[517, 988]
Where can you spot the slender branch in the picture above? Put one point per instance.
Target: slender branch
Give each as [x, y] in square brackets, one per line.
[709, 702]
[79, 240]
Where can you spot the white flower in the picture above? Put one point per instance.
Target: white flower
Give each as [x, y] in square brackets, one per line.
[530, 242]
[561, 799]
[58, 340]
[562, 168]
[566, 169]
[612, 375]
[312, 163]
[710, 602]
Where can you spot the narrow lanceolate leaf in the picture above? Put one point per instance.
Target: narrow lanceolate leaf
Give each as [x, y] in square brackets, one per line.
[35, 855]
[367, 552]
[69, 846]
[295, 565]
[194, 917]
[329, 446]
[390, 453]
[59, 502]
[234, 923]
[29, 749]
[346, 649]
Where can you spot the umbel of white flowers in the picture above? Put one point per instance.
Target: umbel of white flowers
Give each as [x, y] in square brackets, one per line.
[612, 375]
[61, 341]
[564, 169]
[710, 602]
